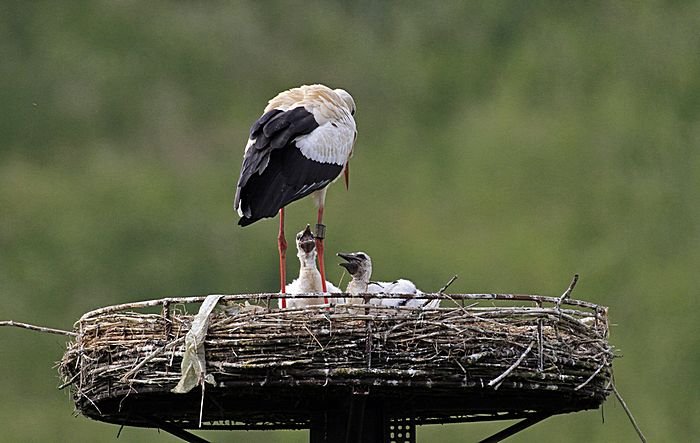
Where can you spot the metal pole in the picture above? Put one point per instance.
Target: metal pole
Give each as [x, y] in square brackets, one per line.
[350, 419]
[514, 429]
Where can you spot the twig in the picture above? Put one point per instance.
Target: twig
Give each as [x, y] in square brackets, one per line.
[460, 365]
[82, 394]
[461, 307]
[69, 382]
[201, 403]
[447, 285]
[513, 366]
[605, 363]
[569, 290]
[540, 343]
[149, 357]
[166, 317]
[342, 277]
[313, 336]
[629, 414]
[37, 328]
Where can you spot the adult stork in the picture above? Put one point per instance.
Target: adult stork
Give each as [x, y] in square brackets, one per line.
[301, 143]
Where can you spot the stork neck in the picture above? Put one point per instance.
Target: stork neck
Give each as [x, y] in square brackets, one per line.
[307, 261]
[309, 279]
[357, 286]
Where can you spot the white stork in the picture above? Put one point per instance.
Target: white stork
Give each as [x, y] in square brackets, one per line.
[359, 265]
[309, 280]
[301, 143]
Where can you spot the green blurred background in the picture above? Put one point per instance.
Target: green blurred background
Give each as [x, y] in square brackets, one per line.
[511, 143]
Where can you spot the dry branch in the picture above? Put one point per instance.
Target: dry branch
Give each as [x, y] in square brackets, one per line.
[498, 379]
[37, 328]
[570, 289]
[641, 436]
[447, 285]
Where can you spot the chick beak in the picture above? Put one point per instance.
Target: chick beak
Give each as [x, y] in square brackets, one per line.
[307, 242]
[352, 263]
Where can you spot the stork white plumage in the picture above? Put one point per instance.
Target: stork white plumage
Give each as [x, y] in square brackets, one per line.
[359, 265]
[301, 143]
[309, 280]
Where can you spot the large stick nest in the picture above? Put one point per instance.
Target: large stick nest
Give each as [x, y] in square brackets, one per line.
[478, 357]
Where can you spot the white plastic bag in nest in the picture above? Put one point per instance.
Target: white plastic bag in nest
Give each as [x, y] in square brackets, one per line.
[194, 364]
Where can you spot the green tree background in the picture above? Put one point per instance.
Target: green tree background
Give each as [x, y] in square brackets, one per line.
[512, 143]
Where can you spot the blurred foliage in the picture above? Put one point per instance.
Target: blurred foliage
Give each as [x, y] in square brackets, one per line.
[512, 143]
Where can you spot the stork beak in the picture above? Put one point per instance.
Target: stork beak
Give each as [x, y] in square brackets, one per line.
[306, 240]
[352, 263]
[346, 174]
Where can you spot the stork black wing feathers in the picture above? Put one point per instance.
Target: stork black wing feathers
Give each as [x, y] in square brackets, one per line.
[275, 172]
[288, 177]
[259, 123]
[273, 130]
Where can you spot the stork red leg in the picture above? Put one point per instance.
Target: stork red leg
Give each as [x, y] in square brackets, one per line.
[282, 247]
[320, 235]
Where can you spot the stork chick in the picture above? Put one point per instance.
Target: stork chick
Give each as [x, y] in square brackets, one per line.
[309, 280]
[359, 265]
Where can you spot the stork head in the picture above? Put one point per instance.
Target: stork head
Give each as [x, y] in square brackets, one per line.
[358, 264]
[347, 99]
[306, 247]
[305, 240]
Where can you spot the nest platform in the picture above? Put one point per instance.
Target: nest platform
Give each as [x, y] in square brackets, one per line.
[478, 357]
